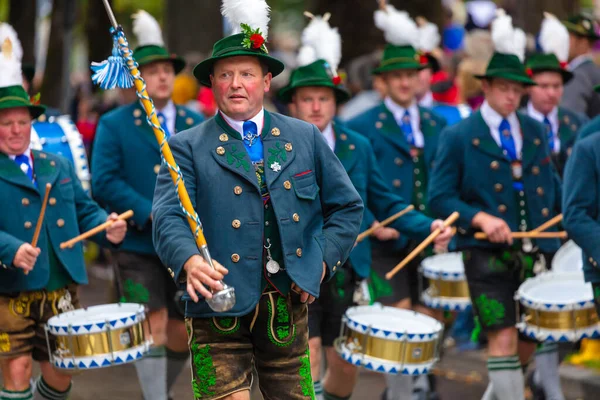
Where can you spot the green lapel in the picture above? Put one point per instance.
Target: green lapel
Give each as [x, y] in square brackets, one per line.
[567, 129]
[428, 125]
[142, 128]
[10, 172]
[389, 129]
[46, 171]
[344, 148]
[483, 139]
[531, 142]
[278, 150]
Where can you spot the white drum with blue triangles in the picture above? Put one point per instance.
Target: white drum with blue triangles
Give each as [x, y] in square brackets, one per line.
[98, 336]
[557, 307]
[447, 289]
[389, 340]
[59, 135]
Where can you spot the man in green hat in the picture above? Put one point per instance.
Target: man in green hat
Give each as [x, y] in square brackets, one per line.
[404, 137]
[495, 169]
[37, 281]
[313, 94]
[548, 70]
[277, 210]
[579, 95]
[125, 162]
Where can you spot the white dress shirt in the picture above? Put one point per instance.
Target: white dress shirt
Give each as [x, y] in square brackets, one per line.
[427, 100]
[258, 119]
[329, 135]
[493, 120]
[170, 114]
[553, 117]
[415, 119]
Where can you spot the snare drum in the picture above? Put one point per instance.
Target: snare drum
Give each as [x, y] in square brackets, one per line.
[389, 340]
[557, 307]
[98, 336]
[568, 258]
[448, 289]
[59, 135]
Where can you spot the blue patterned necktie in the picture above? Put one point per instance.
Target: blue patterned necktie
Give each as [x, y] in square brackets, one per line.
[163, 124]
[507, 141]
[252, 141]
[549, 133]
[407, 128]
[22, 162]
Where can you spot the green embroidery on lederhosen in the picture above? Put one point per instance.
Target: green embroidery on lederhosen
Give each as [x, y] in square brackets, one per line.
[134, 293]
[490, 311]
[378, 287]
[306, 383]
[238, 158]
[597, 294]
[499, 264]
[280, 330]
[340, 279]
[206, 373]
[225, 325]
[277, 154]
[527, 264]
[4, 343]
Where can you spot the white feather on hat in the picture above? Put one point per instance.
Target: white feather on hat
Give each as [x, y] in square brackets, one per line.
[147, 30]
[554, 37]
[398, 28]
[320, 41]
[10, 58]
[508, 39]
[254, 13]
[429, 35]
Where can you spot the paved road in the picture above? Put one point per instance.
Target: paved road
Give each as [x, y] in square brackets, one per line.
[121, 382]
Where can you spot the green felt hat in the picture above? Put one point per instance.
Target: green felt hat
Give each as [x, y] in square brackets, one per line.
[240, 44]
[400, 57]
[507, 66]
[547, 63]
[582, 25]
[148, 54]
[317, 74]
[16, 96]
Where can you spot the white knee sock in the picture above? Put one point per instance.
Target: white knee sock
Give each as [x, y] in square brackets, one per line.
[399, 387]
[507, 377]
[152, 374]
[546, 371]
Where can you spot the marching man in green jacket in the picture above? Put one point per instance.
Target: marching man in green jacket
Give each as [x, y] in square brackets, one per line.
[125, 163]
[278, 212]
[36, 283]
[313, 93]
[495, 169]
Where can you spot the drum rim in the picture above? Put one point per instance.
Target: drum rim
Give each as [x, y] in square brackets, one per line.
[65, 319]
[436, 326]
[576, 276]
[100, 358]
[430, 271]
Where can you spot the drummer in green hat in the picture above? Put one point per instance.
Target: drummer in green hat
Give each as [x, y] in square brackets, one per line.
[314, 93]
[38, 280]
[549, 70]
[494, 168]
[579, 95]
[279, 213]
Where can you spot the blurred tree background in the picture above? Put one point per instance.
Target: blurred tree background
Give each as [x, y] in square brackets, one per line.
[63, 36]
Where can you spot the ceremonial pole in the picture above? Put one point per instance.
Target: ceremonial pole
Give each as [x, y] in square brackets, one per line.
[118, 71]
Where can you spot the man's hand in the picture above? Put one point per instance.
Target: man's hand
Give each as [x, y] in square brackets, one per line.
[116, 232]
[384, 233]
[496, 229]
[304, 296]
[26, 256]
[200, 273]
[440, 243]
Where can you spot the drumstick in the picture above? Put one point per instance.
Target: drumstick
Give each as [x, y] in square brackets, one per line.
[548, 224]
[449, 221]
[38, 225]
[94, 231]
[528, 235]
[383, 223]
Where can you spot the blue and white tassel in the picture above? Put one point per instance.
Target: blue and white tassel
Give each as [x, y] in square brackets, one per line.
[113, 72]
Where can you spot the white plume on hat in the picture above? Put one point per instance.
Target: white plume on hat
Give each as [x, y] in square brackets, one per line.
[428, 36]
[554, 37]
[508, 39]
[254, 13]
[10, 57]
[147, 30]
[320, 41]
[397, 26]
